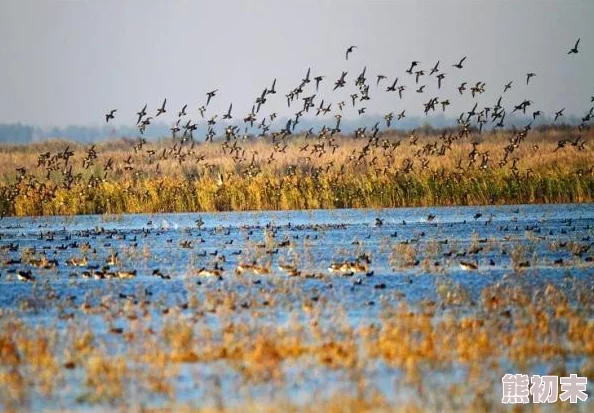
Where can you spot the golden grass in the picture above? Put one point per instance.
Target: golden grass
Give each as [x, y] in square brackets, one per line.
[207, 178]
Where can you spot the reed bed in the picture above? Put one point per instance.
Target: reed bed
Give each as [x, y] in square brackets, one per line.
[259, 176]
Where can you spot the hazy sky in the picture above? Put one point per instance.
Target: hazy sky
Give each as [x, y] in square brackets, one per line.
[68, 62]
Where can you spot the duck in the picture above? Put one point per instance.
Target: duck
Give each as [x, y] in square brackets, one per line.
[77, 262]
[25, 276]
[126, 274]
[214, 272]
[113, 259]
[469, 265]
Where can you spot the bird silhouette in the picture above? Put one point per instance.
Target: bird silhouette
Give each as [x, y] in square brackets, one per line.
[228, 114]
[110, 115]
[210, 95]
[574, 50]
[161, 109]
[529, 76]
[459, 64]
[141, 114]
[350, 50]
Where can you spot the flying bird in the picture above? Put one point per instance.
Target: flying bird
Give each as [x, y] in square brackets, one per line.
[529, 76]
[228, 114]
[161, 109]
[210, 95]
[459, 64]
[110, 115]
[575, 48]
[507, 86]
[413, 64]
[141, 114]
[434, 69]
[558, 114]
[350, 50]
[272, 91]
[393, 87]
[439, 79]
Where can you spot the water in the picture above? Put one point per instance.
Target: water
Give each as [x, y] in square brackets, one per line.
[552, 241]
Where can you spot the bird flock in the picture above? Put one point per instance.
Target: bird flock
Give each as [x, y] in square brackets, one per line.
[232, 131]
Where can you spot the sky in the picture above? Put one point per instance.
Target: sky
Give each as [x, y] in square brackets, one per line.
[69, 62]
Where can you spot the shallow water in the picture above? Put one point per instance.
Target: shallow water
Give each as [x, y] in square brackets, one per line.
[496, 238]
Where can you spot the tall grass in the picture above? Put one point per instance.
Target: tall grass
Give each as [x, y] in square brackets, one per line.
[297, 179]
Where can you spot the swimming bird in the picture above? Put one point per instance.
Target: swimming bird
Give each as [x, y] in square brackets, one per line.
[459, 64]
[25, 276]
[110, 115]
[126, 274]
[349, 50]
[77, 262]
[469, 265]
[575, 48]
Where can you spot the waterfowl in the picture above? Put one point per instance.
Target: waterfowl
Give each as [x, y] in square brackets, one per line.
[413, 64]
[112, 259]
[228, 114]
[77, 262]
[459, 64]
[25, 276]
[209, 96]
[574, 50]
[434, 69]
[141, 114]
[440, 77]
[529, 76]
[392, 88]
[349, 50]
[126, 274]
[162, 108]
[469, 265]
[214, 272]
[287, 268]
[110, 115]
